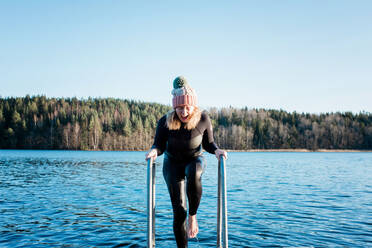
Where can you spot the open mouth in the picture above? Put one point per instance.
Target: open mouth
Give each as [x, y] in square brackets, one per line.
[184, 118]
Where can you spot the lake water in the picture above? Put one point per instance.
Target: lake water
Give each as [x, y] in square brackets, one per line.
[98, 199]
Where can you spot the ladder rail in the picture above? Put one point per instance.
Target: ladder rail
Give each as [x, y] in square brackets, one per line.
[222, 229]
[150, 203]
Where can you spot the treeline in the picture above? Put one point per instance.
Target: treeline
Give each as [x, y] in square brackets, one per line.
[278, 129]
[38, 122]
[69, 123]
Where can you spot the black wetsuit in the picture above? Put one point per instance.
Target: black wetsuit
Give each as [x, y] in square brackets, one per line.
[183, 158]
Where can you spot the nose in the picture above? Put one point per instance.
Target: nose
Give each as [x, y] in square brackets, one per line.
[184, 111]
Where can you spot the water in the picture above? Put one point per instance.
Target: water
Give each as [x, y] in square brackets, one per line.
[98, 199]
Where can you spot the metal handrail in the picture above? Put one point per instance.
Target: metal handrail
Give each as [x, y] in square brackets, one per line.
[150, 203]
[222, 230]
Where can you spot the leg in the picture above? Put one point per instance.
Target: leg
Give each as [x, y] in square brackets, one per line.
[194, 192]
[175, 178]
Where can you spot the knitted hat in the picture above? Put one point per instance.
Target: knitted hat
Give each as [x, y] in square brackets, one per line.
[182, 93]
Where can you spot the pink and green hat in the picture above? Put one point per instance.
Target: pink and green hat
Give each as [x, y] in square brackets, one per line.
[182, 93]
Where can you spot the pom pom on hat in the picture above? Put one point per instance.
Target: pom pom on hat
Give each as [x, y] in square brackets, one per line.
[179, 82]
[182, 93]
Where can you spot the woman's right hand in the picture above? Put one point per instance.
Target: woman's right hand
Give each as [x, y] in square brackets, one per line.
[153, 153]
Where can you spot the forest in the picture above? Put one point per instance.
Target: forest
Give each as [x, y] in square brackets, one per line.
[38, 122]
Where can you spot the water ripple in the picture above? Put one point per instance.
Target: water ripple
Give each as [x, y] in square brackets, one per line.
[97, 199]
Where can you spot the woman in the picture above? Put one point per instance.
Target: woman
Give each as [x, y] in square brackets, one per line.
[180, 135]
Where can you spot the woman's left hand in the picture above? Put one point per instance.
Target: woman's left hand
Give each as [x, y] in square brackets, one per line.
[220, 152]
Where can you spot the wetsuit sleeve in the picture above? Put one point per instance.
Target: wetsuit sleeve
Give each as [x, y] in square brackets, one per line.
[161, 136]
[208, 142]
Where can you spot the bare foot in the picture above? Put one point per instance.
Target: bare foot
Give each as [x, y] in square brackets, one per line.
[193, 228]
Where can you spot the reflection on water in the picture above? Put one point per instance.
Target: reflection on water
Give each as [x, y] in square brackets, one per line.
[97, 199]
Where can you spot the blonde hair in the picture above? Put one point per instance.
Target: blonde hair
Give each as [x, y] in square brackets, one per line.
[174, 123]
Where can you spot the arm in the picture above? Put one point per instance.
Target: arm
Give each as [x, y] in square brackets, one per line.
[161, 136]
[208, 142]
[160, 140]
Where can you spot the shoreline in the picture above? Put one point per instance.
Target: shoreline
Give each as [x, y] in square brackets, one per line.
[228, 150]
[298, 150]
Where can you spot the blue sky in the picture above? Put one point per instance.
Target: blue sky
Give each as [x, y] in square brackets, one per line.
[304, 56]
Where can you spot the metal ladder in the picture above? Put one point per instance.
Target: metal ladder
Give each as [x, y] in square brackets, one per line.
[222, 231]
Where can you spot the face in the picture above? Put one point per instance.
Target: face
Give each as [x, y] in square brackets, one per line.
[184, 113]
